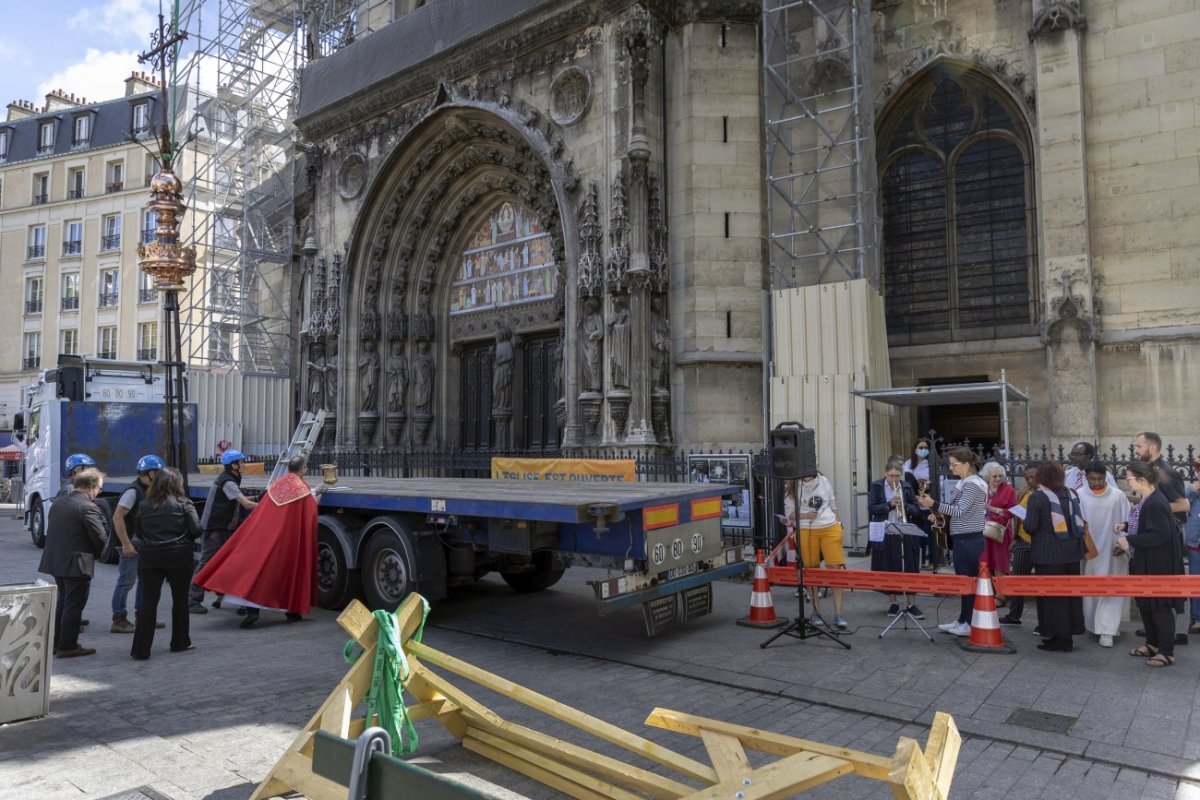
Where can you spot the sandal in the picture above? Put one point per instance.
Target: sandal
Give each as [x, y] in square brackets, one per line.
[1144, 651]
[1160, 660]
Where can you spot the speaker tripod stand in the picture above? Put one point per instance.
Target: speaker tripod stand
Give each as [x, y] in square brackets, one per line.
[802, 628]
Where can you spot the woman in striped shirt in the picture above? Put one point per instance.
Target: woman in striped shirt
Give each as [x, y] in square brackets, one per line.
[967, 511]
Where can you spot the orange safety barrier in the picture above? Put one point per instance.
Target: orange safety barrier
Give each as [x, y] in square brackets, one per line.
[1010, 585]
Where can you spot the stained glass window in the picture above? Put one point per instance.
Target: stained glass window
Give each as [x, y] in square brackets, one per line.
[509, 260]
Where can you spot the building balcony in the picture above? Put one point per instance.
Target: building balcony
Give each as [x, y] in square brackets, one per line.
[150, 354]
[147, 295]
[111, 355]
[43, 149]
[41, 199]
[75, 194]
[31, 362]
[70, 303]
[36, 251]
[109, 299]
[72, 248]
[147, 235]
[115, 186]
[110, 242]
[33, 306]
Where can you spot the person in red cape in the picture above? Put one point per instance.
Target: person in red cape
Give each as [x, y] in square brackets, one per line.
[271, 561]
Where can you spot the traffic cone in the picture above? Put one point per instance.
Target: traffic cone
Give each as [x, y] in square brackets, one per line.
[762, 606]
[985, 622]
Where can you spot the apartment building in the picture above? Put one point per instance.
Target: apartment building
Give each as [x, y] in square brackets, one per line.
[73, 178]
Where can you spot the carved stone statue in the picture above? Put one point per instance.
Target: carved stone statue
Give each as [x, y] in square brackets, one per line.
[397, 379]
[619, 323]
[368, 376]
[331, 374]
[592, 343]
[502, 372]
[422, 379]
[316, 378]
[660, 346]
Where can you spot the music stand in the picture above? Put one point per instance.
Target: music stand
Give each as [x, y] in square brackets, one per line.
[802, 628]
[900, 529]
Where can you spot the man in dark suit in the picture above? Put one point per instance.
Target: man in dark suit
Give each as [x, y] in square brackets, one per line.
[74, 537]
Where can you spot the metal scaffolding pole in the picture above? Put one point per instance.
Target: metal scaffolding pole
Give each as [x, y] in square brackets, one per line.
[820, 159]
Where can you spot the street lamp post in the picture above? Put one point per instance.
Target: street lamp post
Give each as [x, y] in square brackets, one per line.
[165, 259]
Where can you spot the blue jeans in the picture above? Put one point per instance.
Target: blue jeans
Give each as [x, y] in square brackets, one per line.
[968, 549]
[1194, 569]
[127, 576]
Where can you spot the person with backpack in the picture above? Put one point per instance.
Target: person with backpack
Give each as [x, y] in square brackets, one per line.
[1055, 524]
[125, 525]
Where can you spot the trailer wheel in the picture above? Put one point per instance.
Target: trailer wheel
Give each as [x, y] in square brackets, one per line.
[388, 569]
[37, 524]
[337, 584]
[545, 573]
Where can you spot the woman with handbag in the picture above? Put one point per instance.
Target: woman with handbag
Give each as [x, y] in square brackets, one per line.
[167, 531]
[1157, 549]
[1104, 507]
[916, 475]
[891, 499]
[998, 529]
[1056, 549]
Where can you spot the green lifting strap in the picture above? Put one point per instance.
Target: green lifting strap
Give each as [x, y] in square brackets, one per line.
[385, 700]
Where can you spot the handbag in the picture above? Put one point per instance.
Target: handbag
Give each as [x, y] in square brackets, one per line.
[1090, 550]
[994, 530]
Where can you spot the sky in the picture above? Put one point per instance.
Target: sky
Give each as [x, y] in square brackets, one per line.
[86, 48]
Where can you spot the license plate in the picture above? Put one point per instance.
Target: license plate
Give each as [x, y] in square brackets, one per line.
[680, 572]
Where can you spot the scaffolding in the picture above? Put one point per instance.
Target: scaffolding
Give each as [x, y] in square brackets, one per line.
[240, 67]
[820, 159]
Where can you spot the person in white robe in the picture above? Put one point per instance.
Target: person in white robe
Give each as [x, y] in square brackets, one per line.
[1104, 506]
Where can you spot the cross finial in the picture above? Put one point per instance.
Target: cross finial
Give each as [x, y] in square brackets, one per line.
[159, 56]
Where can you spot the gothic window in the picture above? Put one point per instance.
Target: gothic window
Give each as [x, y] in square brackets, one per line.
[956, 189]
[509, 259]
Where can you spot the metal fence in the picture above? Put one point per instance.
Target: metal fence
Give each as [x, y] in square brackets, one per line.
[1183, 460]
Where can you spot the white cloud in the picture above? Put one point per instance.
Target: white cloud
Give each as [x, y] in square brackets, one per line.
[120, 19]
[100, 76]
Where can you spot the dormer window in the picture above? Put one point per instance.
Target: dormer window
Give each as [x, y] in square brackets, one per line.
[82, 131]
[141, 118]
[45, 137]
[3, 145]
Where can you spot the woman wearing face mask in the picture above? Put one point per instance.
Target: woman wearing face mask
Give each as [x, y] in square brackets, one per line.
[967, 511]
[1157, 550]
[916, 474]
[1104, 507]
[812, 509]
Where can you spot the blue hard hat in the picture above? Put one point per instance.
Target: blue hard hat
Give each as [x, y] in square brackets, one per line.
[147, 463]
[78, 460]
[230, 456]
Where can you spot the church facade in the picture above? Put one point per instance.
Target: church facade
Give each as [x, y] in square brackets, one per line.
[533, 224]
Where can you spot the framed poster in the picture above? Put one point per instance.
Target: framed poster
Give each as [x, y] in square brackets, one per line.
[737, 511]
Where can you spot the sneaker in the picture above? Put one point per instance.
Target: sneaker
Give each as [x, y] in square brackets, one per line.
[196, 608]
[1106, 640]
[1037, 631]
[75, 652]
[893, 610]
[948, 627]
[1008, 619]
[216, 603]
[249, 620]
[916, 613]
[122, 625]
[1194, 627]
[818, 620]
[840, 621]
[961, 629]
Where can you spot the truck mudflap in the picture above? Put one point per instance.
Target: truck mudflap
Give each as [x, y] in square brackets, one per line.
[677, 599]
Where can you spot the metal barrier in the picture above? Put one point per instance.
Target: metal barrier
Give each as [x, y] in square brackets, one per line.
[26, 636]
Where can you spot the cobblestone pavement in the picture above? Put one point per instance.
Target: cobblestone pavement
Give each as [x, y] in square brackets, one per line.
[210, 723]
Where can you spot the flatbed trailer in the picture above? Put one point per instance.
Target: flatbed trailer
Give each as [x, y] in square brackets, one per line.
[381, 538]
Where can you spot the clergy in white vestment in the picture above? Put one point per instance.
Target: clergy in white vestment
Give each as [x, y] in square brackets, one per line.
[1104, 506]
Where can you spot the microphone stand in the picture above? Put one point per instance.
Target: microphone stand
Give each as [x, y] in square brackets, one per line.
[802, 628]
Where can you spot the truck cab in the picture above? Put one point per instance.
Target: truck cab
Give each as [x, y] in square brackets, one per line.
[112, 410]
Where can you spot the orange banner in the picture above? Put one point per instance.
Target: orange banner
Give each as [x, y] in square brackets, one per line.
[564, 469]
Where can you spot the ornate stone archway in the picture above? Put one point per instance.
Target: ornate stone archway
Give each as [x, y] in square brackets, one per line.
[398, 355]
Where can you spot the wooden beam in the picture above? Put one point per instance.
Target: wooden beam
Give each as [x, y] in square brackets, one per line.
[779, 779]
[727, 755]
[584, 722]
[567, 787]
[587, 781]
[865, 764]
[941, 752]
[910, 777]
